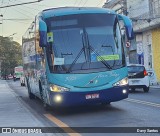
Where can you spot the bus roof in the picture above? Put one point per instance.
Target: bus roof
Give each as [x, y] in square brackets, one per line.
[47, 13]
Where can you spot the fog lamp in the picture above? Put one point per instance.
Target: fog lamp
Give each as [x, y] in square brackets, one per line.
[58, 98]
[124, 91]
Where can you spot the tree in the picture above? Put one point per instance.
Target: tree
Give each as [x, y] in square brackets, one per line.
[10, 54]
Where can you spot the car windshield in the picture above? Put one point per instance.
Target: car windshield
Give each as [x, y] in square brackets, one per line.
[85, 46]
[133, 69]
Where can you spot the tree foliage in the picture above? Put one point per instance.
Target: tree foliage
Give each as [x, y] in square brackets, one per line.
[10, 55]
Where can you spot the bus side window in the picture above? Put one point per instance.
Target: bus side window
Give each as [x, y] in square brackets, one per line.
[40, 61]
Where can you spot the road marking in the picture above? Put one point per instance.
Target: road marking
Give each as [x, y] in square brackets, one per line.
[143, 102]
[62, 125]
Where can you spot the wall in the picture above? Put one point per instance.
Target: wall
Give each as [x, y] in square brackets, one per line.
[156, 51]
[136, 8]
[147, 41]
[149, 29]
[116, 5]
[139, 41]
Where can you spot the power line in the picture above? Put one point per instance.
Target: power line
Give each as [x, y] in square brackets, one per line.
[27, 7]
[145, 19]
[20, 12]
[85, 3]
[99, 3]
[18, 19]
[75, 2]
[25, 11]
[40, 5]
[6, 8]
[79, 2]
[20, 4]
[32, 8]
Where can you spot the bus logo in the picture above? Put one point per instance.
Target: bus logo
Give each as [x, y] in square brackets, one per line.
[6, 130]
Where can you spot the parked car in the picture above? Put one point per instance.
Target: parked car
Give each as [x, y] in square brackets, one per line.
[138, 77]
[10, 76]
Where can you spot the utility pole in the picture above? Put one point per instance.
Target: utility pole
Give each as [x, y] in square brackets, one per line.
[150, 9]
[125, 7]
[21, 4]
[1, 16]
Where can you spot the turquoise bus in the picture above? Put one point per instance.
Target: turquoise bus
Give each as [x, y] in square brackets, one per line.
[76, 56]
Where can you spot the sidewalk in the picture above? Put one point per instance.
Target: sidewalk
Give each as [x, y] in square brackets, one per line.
[156, 86]
[13, 113]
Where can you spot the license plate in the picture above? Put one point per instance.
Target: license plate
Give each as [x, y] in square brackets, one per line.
[135, 81]
[92, 96]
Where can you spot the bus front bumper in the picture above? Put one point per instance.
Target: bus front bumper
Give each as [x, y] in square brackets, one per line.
[91, 97]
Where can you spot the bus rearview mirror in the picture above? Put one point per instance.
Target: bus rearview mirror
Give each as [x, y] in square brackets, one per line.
[128, 26]
[42, 33]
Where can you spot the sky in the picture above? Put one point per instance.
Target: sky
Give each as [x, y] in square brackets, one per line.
[17, 19]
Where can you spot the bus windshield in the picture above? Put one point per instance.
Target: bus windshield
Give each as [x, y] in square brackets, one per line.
[84, 43]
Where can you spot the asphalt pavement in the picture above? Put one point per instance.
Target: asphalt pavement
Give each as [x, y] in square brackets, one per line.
[139, 110]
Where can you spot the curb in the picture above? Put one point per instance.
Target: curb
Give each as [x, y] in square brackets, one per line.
[157, 87]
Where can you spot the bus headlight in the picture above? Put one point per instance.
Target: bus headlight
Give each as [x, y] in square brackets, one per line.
[122, 82]
[56, 88]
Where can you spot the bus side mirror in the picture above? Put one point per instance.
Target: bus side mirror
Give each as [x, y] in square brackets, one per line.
[42, 33]
[128, 26]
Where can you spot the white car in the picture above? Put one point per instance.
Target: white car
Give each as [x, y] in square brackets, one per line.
[138, 77]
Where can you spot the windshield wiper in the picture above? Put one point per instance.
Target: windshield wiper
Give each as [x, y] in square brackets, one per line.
[79, 54]
[87, 53]
[96, 53]
[84, 49]
[100, 57]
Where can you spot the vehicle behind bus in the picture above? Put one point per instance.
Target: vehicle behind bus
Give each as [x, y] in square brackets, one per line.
[18, 71]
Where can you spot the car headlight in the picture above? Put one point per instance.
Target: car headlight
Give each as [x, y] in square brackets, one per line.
[122, 82]
[56, 88]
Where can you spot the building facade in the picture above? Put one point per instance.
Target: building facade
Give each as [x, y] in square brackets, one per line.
[145, 15]
[120, 6]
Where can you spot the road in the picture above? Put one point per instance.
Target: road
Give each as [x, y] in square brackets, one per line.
[139, 110]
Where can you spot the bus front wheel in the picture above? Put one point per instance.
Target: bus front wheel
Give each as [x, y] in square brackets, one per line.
[31, 95]
[105, 103]
[45, 105]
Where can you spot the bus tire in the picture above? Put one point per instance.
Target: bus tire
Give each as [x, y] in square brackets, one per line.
[105, 103]
[132, 90]
[45, 105]
[30, 95]
[146, 89]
